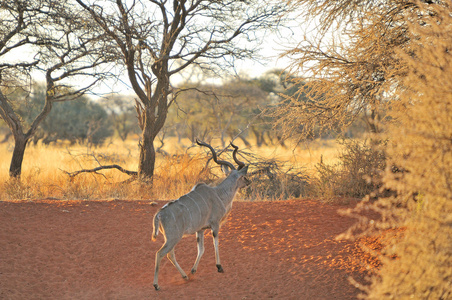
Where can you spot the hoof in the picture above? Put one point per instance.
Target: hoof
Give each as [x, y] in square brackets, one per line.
[156, 287]
[185, 277]
[220, 269]
[193, 271]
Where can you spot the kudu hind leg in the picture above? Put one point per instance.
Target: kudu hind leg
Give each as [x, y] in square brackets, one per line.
[158, 258]
[167, 249]
[200, 242]
[217, 252]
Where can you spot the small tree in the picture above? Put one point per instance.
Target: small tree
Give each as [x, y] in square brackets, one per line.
[157, 39]
[78, 120]
[59, 42]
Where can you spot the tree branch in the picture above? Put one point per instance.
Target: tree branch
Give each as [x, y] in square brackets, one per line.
[73, 174]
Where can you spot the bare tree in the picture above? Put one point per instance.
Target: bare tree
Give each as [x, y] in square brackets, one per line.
[60, 46]
[157, 39]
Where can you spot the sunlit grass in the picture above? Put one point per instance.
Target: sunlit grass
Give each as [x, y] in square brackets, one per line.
[305, 155]
[44, 169]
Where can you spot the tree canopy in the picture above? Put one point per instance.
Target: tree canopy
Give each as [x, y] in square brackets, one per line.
[351, 67]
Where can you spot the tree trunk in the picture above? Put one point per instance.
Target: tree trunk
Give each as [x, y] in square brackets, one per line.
[20, 143]
[147, 152]
[245, 141]
[147, 159]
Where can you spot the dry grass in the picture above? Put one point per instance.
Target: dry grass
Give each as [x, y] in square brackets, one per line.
[43, 173]
[306, 155]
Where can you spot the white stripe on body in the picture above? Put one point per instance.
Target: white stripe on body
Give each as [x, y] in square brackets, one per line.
[189, 212]
[203, 200]
[175, 221]
[222, 204]
[200, 212]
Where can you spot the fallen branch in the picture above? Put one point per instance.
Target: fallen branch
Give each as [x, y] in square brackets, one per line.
[73, 174]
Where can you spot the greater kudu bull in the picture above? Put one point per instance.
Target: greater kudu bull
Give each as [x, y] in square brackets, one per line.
[204, 207]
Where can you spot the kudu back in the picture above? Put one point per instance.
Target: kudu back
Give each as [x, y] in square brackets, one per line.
[204, 207]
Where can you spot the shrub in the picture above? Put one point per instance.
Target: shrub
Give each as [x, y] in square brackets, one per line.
[273, 180]
[357, 174]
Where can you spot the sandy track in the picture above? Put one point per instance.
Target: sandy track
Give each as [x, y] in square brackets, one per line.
[103, 250]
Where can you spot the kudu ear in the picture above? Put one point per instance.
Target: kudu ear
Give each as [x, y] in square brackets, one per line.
[225, 169]
[243, 170]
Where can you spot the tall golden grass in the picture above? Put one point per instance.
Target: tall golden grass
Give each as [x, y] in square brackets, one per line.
[45, 167]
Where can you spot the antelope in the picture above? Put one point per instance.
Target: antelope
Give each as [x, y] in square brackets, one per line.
[204, 207]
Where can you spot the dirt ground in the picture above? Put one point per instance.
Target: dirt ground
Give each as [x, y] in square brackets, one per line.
[103, 250]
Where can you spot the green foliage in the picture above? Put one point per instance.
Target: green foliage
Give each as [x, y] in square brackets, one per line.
[123, 115]
[79, 120]
[357, 174]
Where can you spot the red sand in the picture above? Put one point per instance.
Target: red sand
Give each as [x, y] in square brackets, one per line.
[103, 250]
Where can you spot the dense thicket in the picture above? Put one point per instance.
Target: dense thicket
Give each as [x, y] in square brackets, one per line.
[421, 146]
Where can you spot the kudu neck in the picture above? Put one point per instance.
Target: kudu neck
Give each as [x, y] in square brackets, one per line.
[227, 189]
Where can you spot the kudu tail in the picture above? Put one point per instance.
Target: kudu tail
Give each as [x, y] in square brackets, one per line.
[155, 231]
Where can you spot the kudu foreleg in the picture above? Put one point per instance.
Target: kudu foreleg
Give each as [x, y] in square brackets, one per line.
[216, 246]
[172, 258]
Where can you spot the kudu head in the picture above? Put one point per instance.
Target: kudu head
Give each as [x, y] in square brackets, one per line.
[228, 168]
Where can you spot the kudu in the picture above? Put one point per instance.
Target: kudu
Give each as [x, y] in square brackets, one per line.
[204, 207]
